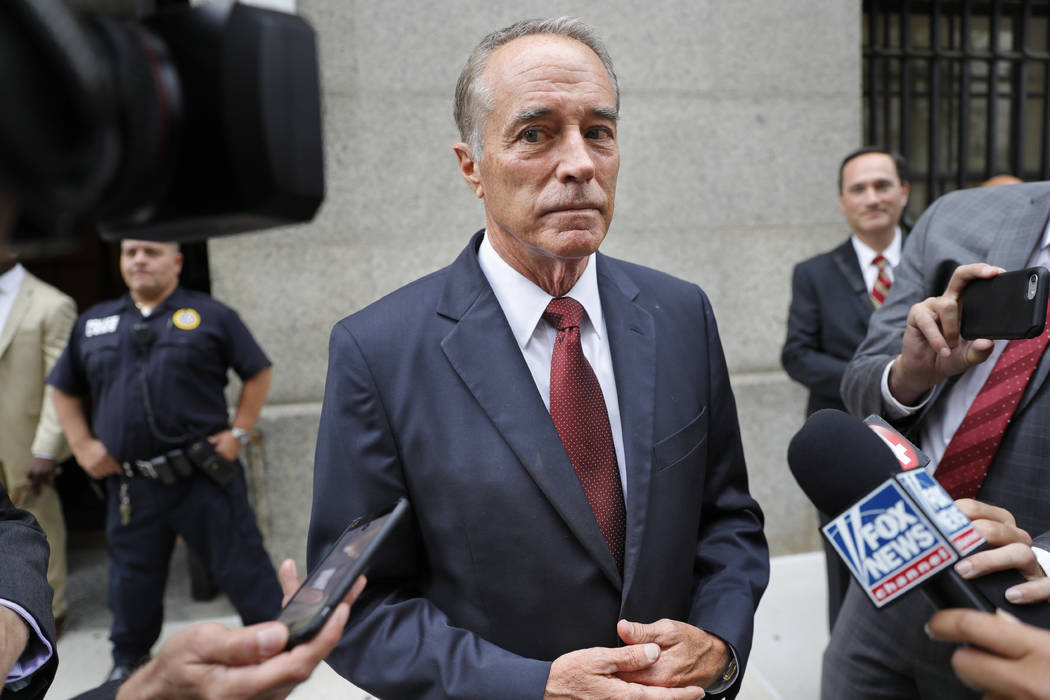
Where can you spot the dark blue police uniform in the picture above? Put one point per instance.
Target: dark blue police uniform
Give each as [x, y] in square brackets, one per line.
[180, 355]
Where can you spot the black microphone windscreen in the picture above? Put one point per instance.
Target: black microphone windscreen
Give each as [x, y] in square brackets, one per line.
[836, 459]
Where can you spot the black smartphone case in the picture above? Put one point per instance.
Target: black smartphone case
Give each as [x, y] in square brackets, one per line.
[1010, 306]
[303, 630]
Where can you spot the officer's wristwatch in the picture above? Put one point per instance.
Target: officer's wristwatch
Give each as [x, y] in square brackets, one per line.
[241, 434]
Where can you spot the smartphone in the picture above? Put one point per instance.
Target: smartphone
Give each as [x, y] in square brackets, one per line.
[1011, 305]
[315, 601]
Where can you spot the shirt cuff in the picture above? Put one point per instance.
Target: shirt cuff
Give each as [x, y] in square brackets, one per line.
[1043, 557]
[38, 650]
[721, 685]
[44, 455]
[894, 408]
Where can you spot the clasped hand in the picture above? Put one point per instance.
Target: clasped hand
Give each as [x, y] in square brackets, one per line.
[665, 660]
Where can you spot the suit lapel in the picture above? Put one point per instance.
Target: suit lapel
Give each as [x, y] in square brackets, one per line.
[19, 308]
[845, 259]
[632, 345]
[483, 352]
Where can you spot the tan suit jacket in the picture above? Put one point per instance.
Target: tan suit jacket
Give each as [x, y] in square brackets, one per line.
[31, 340]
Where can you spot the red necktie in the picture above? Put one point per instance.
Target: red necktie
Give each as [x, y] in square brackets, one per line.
[579, 415]
[882, 282]
[964, 465]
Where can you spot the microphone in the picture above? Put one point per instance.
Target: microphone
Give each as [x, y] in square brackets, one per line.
[896, 531]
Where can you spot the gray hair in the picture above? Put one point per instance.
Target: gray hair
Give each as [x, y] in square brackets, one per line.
[474, 98]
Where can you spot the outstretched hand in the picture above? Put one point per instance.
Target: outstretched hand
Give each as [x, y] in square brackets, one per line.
[208, 660]
[1009, 547]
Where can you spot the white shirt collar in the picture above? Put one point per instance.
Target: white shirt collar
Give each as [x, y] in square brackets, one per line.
[11, 281]
[866, 254]
[523, 302]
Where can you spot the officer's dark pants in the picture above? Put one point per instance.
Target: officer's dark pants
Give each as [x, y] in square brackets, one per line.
[218, 525]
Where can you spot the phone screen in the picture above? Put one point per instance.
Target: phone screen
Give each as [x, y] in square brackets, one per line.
[332, 579]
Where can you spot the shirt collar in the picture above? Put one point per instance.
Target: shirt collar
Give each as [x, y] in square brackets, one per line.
[173, 300]
[866, 254]
[523, 302]
[11, 280]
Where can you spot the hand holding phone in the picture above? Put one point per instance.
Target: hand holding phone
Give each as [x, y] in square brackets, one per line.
[330, 581]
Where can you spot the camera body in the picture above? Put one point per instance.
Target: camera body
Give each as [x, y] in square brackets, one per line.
[183, 124]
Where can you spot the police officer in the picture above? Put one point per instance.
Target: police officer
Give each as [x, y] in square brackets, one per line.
[150, 369]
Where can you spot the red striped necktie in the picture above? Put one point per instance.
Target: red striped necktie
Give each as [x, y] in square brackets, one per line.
[964, 465]
[882, 283]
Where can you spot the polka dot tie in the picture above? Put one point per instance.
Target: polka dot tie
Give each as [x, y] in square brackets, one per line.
[882, 283]
[579, 415]
[964, 465]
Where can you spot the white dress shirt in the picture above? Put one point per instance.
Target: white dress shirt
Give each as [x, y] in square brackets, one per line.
[866, 255]
[10, 283]
[523, 303]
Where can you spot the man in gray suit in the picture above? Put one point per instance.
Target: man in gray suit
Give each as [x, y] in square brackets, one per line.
[915, 369]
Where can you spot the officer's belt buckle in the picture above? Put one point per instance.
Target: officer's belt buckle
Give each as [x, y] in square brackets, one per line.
[146, 468]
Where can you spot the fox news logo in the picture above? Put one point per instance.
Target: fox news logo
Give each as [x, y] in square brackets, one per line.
[941, 509]
[888, 544]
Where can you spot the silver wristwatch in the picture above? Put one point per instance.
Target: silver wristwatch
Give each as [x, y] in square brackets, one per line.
[241, 434]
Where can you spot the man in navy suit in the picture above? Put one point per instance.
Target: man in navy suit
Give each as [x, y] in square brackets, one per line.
[506, 585]
[833, 295]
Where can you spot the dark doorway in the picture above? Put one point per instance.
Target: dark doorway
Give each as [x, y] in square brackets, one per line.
[91, 274]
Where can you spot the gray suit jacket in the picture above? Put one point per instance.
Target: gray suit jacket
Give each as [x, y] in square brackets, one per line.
[1001, 226]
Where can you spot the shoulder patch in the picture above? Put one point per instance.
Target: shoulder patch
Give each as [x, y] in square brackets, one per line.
[186, 319]
[101, 326]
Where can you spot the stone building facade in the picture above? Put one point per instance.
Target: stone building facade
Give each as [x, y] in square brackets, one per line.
[734, 118]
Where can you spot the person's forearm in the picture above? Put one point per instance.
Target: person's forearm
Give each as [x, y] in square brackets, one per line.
[253, 396]
[71, 417]
[14, 635]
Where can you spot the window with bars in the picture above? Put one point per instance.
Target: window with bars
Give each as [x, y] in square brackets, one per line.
[961, 88]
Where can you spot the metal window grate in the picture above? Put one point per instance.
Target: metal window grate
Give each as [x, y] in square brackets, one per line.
[960, 87]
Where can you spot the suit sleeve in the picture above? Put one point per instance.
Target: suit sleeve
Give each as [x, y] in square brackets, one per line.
[24, 553]
[861, 384]
[58, 323]
[732, 557]
[397, 644]
[802, 356]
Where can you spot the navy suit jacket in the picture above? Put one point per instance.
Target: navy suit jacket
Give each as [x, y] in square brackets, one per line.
[828, 318]
[23, 567]
[504, 568]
